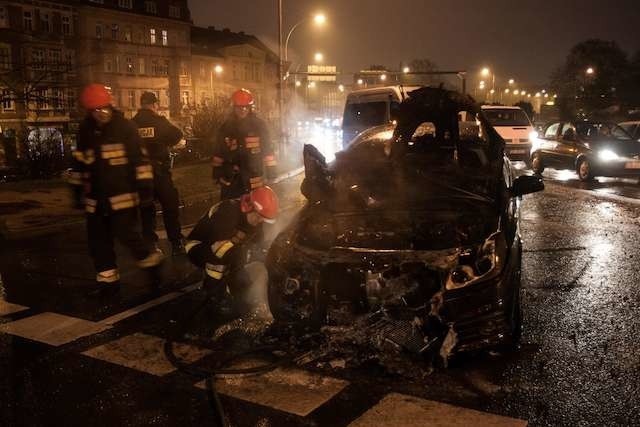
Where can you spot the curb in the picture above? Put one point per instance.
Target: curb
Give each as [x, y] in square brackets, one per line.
[31, 232]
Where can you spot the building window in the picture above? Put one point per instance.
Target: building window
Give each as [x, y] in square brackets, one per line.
[5, 57]
[129, 64]
[114, 31]
[70, 60]
[42, 99]
[37, 59]
[141, 68]
[203, 69]
[4, 20]
[185, 98]
[127, 34]
[117, 64]
[150, 7]
[132, 99]
[174, 11]
[165, 38]
[66, 25]
[125, 4]
[108, 64]
[184, 70]
[57, 99]
[71, 99]
[152, 36]
[45, 22]
[55, 60]
[8, 103]
[98, 31]
[27, 20]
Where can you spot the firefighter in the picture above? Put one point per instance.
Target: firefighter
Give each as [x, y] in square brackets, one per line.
[219, 244]
[159, 135]
[110, 178]
[243, 151]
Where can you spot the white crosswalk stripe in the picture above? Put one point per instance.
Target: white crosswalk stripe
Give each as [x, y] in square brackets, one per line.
[407, 411]
[7, 308]
[52, 328]
[144, 353]
[290, 390]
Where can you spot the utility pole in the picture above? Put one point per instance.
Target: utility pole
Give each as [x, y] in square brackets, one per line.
[280, 81]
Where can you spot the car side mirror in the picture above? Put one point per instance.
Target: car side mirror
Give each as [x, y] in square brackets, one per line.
[526, 184]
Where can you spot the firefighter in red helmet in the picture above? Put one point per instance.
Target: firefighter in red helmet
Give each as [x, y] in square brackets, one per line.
[219, 242]
[110, 177]
[243, 153]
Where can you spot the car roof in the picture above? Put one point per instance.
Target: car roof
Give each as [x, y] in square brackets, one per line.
[397, 89]
[500, 107]
[630, 122]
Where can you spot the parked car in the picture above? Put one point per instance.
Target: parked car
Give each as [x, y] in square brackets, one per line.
[515, 127]
[632, 128]
[413, 225]
[590, 148]
[366, 108]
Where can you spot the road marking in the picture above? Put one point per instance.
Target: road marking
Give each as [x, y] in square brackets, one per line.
[52, 328]
[7, 308]
[290, 390]
[402, 410]
[140, 308]
[598, 193]
[144, 353]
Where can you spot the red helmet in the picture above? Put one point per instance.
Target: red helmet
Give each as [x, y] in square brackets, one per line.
[265, 203]
[95, 96]
[242, 98]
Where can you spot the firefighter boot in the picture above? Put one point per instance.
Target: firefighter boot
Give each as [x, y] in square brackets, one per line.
[108, 282]
[152, 264]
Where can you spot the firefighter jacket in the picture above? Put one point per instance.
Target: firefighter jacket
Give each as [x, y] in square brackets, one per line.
[109, 172]
[158, 136]
[219, 241]
[243, 150]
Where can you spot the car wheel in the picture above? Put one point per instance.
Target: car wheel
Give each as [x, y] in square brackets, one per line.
[584, 170]
[536, 163]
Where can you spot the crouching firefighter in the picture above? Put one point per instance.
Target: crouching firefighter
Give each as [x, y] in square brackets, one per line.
[110, 178]
[219, 244]
[243, 153]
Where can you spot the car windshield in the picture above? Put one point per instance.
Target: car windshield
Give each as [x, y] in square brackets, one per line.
[506, 117]
[367, 114]
[595, 131]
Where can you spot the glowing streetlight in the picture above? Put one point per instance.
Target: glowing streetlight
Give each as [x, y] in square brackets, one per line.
[320, 19]
[511, 81]
[546, 95]
[218, 69]
[492, 91]
[485, 72]
[341, 88]
[406, 70]
[360, 81]
[383, 77]
[538, 95]
[311, 85]
[590, 71]
[298, 83]
[507, 91]
[319, 57]
[516, 92]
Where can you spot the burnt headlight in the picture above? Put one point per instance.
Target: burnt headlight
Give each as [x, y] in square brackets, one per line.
[479, 264]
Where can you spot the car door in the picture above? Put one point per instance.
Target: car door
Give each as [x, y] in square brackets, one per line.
[567, 148]
[549, 144]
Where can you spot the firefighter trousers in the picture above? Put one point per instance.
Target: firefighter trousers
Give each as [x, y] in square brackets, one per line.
[167, 195]
[103, 229]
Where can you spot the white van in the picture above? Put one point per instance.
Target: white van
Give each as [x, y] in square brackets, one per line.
[366, 108]
[514, 126]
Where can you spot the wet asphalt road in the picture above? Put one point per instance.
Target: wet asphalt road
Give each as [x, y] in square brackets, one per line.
[579, 363]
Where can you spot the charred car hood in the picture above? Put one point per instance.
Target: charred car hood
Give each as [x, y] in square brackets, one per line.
[395, 230]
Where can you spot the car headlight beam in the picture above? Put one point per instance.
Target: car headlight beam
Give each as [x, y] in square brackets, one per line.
[607, 155]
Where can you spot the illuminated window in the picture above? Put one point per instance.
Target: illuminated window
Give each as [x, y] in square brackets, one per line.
[27, 20]
[152, 36]
[125, 4]
[129, 64]
[132, 98]
[165, 38]
[151, 7]
[174, 11]
[5, 57]
[8, 103]
[141, 66]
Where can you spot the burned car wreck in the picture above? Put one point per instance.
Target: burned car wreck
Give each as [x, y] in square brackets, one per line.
[411, 234]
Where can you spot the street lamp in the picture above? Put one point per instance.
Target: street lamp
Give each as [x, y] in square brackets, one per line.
[218, 69]
[406, 70]
[590, 71]
[383, 77]
[511, 81]
[341, 88]
[486, 72]
[318, 57]
[319, 19]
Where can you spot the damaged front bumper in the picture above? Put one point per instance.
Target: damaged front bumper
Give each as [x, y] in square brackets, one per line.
[321, 285]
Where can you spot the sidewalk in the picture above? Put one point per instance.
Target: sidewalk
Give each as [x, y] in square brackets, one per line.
[38, 207]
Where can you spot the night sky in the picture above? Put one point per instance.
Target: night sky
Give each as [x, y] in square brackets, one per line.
[523, 39]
